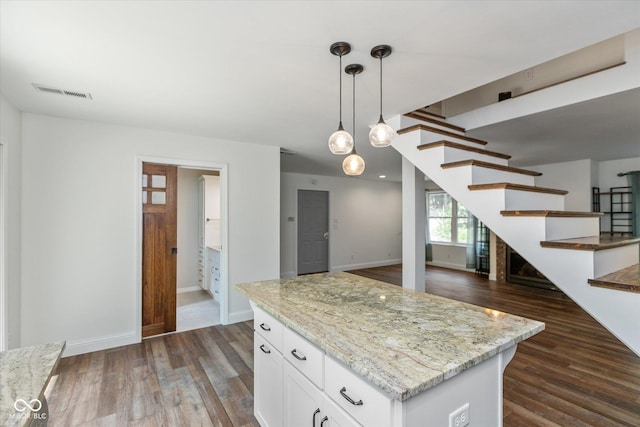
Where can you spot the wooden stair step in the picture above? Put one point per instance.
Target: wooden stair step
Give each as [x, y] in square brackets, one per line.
[441, 132]
[425, 111]
[519, 187]
[425, 117]
[554, 214]
[488, 165]
[452, 144]
[627, 279]
[593, 243]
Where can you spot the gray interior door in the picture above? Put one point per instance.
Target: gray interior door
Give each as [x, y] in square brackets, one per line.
[313, 231]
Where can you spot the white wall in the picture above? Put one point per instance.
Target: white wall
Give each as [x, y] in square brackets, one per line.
[449, 256]
[608, 172]
[11, 140]
[365, 220]
[80, 230]
[575, 177]
[187, 263]
[589, 59]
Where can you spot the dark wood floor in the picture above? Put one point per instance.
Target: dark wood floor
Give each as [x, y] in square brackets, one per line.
[575, 373]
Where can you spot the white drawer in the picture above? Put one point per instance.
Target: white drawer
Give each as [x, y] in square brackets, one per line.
[306, 357]
[368, 405]
[268, 327]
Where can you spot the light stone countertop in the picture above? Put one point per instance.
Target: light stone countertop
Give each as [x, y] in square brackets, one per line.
[402, 341]
[24, 374]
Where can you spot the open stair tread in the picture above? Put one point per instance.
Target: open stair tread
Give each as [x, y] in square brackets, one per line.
[441, 132]
[592, 243]
[425, 111]
[554, 214]
[426, 117]
[519, 187]
[627, 279]
[488, 165]
[451, 144]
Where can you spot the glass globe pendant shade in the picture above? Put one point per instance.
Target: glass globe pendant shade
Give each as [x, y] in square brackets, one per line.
[341, 141]
[381, 135]
[353, 165]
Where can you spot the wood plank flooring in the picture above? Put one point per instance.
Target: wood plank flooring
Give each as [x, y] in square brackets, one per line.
[575, 373]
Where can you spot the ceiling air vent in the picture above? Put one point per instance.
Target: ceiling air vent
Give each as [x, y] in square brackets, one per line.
[74, 93]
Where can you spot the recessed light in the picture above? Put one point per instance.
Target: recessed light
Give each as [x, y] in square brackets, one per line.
[382, 176]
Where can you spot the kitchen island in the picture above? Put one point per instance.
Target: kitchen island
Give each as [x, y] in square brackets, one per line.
[339, 349]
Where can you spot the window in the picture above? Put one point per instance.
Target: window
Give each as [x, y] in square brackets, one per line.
[448, 221]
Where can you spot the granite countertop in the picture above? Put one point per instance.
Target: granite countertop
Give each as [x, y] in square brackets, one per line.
[25, 373]
[402, 341]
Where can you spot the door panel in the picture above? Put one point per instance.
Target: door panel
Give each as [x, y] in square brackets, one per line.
[159, 236]
[313, 229]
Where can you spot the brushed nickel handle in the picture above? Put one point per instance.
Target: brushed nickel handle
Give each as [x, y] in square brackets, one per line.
[324, 420]
[343, 391]
[264, 350]
[265, 327]
[317, 411]
[295, 354]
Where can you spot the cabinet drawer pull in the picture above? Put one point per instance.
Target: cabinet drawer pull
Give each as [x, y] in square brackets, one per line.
[265, 327]
[324, 420]
[267, 351]
[295, 354]
[350, 400]
[313, 423]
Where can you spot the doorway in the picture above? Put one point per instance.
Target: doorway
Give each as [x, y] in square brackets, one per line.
[313, 231]
[169, 308]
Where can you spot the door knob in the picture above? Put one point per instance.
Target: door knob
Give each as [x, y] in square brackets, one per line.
[326, 235]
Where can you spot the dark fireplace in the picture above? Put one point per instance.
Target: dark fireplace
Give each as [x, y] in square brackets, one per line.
[521, 272]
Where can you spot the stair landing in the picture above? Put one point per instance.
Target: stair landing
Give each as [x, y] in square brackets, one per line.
[627, 279]
[593, 243]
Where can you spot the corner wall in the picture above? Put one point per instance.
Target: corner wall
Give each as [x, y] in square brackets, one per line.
[11, 140]
[79, 229]
[365, 221]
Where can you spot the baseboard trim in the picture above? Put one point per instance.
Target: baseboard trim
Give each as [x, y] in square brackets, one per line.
[366, 265]
[493, 277]
[74, 348]
[189, 289]
[451, 266]
[240, 316]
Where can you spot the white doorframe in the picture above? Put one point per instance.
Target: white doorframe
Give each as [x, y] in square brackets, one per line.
[4, 309]
[224, 229]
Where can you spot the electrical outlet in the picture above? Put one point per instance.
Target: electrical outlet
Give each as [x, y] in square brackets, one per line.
[459, 417]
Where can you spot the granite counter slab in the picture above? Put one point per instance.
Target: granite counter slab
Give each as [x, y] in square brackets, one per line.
[24, 374]
[402, 341]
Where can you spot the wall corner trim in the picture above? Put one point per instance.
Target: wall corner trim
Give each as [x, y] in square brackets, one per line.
[102, 343]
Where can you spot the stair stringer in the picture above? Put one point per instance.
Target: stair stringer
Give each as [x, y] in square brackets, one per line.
[569, 270]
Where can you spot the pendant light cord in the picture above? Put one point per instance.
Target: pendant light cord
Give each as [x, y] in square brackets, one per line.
[340, 79]
[381, 87]
[354, 113]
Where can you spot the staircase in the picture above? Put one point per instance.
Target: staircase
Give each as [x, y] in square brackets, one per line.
[600, 273]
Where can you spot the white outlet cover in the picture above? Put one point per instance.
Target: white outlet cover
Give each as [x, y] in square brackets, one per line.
[460, 417]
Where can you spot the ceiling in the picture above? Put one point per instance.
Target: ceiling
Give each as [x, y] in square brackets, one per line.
[261, 72]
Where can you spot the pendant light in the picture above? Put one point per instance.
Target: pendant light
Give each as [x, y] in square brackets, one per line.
[353, 164]
[340, 142]
[381, 135]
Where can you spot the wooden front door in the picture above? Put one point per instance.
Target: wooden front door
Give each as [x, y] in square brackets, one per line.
[159, 236]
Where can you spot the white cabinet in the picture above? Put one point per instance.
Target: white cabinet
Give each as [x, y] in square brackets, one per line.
[213, 276]
[305, 404]
[268, 369]
[289, 378]
[267, 385]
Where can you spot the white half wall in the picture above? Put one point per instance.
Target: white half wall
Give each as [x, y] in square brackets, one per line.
[79, 241]
[11, 140]
[365, 221]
